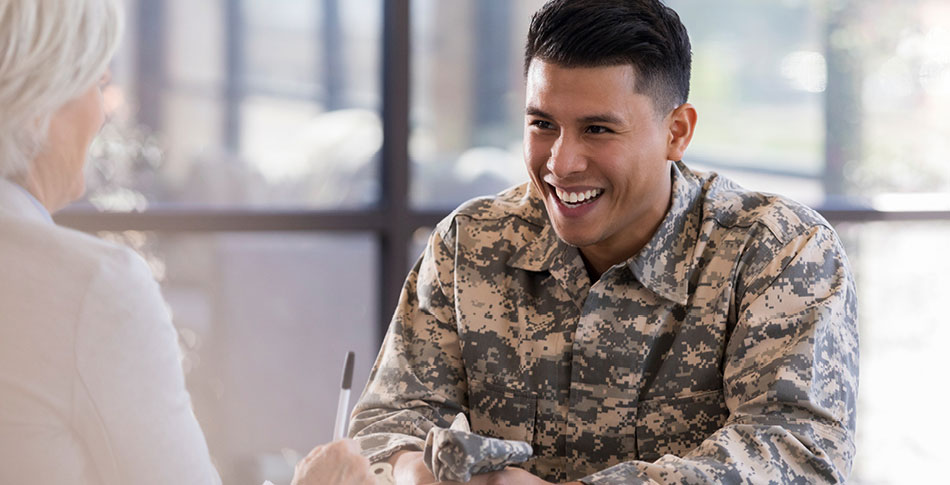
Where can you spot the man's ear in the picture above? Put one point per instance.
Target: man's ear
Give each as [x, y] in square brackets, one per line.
[681, 124]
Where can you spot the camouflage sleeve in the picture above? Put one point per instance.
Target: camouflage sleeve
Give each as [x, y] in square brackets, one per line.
[456, 454]
[790, 378]
[418, 380]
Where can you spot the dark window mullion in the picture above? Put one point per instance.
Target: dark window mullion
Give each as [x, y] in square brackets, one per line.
[206, 219]
[842, 101]
[235, 82]
[150, 68]
[394, 170]
[331, 43]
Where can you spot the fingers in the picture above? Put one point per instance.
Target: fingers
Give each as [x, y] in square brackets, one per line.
[345, 449]
[409, 469]
[340, 461]
[508, 476]
[350, 445]
[346, 455]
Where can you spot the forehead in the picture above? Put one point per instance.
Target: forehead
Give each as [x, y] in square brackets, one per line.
[602, 88]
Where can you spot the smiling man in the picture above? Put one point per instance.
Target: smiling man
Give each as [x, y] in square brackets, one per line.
[597, 151]
[631, 319]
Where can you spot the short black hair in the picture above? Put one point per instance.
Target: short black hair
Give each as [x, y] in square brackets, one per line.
[591, 33]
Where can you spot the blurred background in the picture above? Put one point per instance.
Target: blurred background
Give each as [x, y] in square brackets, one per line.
[280, 163]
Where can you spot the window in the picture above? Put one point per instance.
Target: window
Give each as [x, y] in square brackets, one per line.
[281, 162]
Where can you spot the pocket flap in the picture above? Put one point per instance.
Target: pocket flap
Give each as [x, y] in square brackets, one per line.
[677, 425]
[502, 413]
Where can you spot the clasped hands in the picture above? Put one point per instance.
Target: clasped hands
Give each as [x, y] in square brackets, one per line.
[409, 469]
[341, 463]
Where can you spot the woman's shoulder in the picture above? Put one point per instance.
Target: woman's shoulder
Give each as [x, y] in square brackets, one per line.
[63, 247]
[77, 276]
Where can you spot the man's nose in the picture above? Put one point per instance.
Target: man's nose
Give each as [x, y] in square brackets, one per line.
[566, 158]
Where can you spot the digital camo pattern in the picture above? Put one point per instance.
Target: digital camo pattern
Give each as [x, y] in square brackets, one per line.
[726, 351]
[457, 454]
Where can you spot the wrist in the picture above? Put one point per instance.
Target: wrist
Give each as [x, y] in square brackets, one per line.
[401, 457]
[409, 468]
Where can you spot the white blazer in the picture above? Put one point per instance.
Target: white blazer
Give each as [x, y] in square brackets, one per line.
[91, 384]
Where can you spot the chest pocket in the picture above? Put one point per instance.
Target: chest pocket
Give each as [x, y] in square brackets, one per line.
[502, 413]
[677, 425]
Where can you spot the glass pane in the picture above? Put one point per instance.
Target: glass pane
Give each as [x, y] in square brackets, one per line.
[759, 103]
[265, 321]
[196, 46]
[309, 157]
[292, 122]
[281, 45]
[901, 273]
[905, 93]
[327, 50]
[467, 98]
[830, 100]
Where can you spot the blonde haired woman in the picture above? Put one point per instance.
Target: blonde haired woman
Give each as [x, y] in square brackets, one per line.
[91, 386]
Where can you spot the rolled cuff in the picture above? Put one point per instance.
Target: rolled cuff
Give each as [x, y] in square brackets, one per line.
[379, 447]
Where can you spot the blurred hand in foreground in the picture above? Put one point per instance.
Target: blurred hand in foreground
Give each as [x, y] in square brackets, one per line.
[338, 462]
[508, 476]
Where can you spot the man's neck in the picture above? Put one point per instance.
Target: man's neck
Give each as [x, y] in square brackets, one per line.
[600, 257]
[592, 271]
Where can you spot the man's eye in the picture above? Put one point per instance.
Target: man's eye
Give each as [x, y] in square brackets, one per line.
[544, 125]
[597, 130]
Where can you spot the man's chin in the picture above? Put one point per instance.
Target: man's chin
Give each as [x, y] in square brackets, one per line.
[574, 238]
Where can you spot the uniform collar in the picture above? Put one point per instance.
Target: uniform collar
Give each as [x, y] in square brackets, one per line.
[546, 249]
[18, 201]
[662, 265]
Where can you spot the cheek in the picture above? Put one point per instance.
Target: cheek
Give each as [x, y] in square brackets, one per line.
[89, 115]
[535, 156]
[97, 116]
[616, 161]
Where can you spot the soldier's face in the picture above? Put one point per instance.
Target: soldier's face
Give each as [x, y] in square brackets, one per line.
[597, 152]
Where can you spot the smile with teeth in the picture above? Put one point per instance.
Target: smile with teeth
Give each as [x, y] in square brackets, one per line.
[573, 199]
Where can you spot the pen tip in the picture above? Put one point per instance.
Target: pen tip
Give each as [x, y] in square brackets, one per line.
[348, 371]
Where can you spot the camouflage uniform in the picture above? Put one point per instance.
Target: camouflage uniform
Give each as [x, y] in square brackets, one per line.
[725, 351]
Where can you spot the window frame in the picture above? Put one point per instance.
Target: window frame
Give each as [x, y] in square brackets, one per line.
[393, 221]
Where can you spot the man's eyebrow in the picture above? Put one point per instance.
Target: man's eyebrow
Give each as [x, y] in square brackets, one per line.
[533, 111]
[601, 118]
[587, 120]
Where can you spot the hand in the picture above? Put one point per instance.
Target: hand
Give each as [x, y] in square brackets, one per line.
[339, 462]
[508, 476]
[409, 469]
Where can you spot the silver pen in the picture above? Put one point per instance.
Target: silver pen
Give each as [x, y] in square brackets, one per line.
[339, 428]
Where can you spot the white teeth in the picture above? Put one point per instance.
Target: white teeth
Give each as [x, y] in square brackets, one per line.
[577, 197]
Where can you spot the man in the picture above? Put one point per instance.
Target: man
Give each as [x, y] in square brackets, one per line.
[631, 319]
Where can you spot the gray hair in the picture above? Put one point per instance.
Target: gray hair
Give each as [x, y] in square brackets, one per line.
[51, 51]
